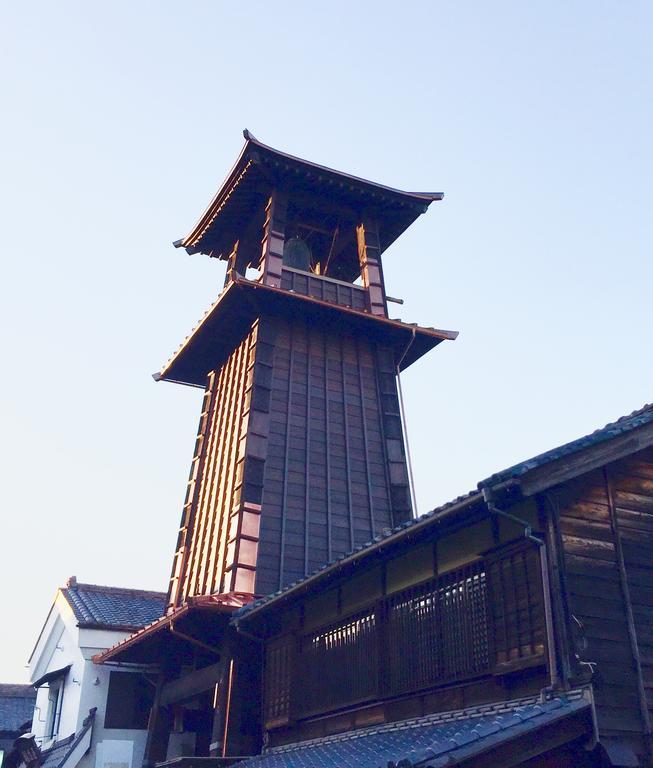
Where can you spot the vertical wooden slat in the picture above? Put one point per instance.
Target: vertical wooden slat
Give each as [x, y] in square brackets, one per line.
[215, 442]
[307, 471]
[216, 509]
[347, 453]
[366, 450]
[630, 619]
[198, 534]
[284, 493]
[190, 503]
[232, 495]
[327, 455]
[231, 436]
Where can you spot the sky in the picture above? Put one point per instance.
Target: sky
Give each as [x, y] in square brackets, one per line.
[120, 120]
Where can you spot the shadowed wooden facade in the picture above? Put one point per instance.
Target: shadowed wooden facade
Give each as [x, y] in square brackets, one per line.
[300, 454]
[466, 608]
[606, 537]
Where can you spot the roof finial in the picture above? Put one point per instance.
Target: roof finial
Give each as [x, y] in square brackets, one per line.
[71, 582]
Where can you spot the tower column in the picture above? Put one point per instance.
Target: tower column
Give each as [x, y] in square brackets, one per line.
[369, 252]
[274, 238]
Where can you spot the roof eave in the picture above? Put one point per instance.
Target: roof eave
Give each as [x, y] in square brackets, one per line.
[247, 155]
[167, 372]
[224, 603]
[569, 464]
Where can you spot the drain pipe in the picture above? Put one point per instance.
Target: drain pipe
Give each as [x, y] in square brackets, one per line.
[554, 680]
[404, 426]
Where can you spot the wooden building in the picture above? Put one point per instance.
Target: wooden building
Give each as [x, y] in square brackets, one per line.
[509, 627]
[538, 584]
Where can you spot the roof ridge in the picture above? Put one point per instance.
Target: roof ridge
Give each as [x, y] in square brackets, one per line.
[114, 590]
[638, 418]
[639, 412]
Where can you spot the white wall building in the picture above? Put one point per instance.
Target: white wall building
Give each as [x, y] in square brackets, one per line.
[84, 620]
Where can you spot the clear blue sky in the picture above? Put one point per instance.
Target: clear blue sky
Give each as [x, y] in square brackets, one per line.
[119, 121]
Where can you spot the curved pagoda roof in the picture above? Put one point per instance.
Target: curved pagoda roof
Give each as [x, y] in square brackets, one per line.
[260, 168]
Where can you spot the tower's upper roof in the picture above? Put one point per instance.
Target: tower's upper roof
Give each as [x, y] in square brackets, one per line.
[260, 168]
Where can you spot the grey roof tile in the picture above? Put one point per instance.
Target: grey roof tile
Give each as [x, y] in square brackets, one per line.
[16, 706]
[621, 426]
[436, 737]
[58, 753]
[95, 605]
[53, 757]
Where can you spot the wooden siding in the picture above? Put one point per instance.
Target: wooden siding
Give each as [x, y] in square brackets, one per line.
[464, 625]
[606, 529]
[328, 482]
[299, 458]
[199, 561]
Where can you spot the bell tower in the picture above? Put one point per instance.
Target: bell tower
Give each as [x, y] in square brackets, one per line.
[300, 455]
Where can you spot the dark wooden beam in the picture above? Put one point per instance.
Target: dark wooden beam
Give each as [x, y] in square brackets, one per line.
[191, 684]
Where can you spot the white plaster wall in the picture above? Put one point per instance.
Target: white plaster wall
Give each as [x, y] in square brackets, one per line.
[57, 648]
[61, 643]
[102, 746]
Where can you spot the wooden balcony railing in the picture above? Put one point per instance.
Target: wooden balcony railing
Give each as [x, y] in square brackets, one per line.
[324, 288]
[484, 618]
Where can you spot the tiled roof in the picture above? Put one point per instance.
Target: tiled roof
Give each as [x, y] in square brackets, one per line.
[439, 739]
[116, 607]
[57, 753]
[60, 752]
[16, 706]
[616, 428]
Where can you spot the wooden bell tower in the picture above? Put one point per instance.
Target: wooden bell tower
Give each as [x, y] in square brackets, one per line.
[300, 454]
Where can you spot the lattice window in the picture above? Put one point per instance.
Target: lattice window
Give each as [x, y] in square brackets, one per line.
[278, 681]
[339, 663]
[437, 631]
[482, 618]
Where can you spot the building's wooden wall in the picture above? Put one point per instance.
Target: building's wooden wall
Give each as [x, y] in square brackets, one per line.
[335, 473]
[607, 517]
[363, 652]
[299, 459]
[212, 492]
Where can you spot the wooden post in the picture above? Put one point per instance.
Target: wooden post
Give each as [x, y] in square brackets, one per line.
[274, 238]
[232, 260]
[369, 256]
[158, 728]
[548, 516]
[220, 699]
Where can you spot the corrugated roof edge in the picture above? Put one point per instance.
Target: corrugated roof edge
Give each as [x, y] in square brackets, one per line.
[638, 418]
